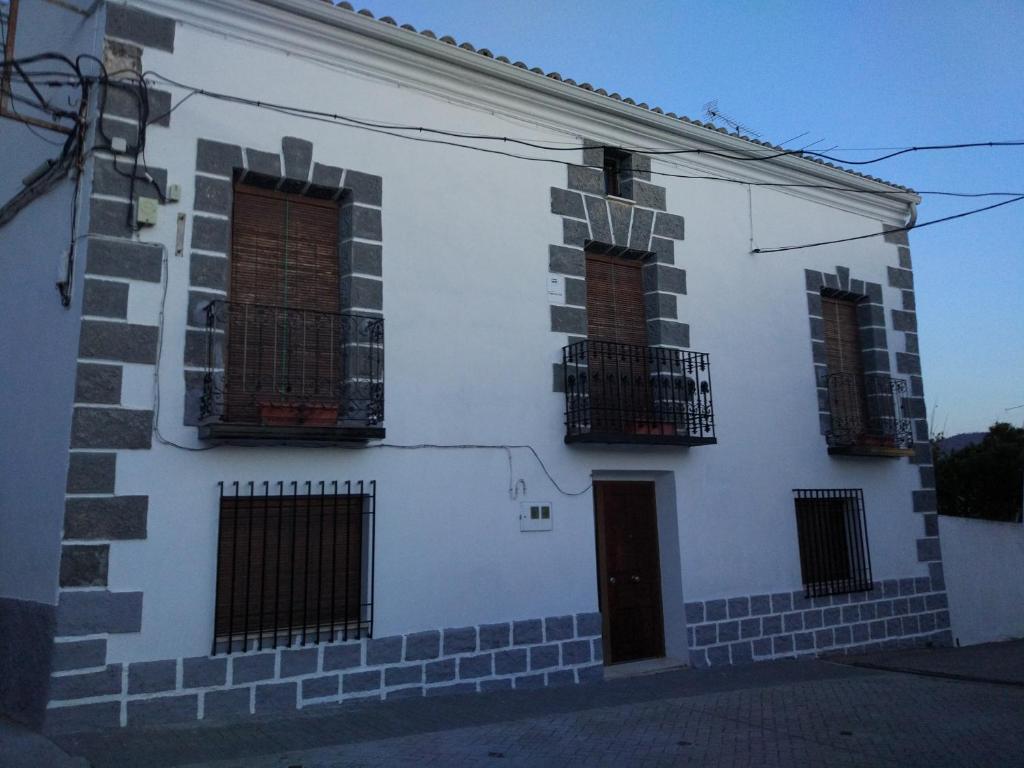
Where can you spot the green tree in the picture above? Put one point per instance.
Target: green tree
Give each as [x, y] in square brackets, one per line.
[984, 480]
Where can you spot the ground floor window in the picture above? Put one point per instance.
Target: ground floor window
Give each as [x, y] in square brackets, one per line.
[294, 564]
[834, 554]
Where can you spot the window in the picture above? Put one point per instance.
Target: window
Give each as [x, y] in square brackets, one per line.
[616, 163]
[285, 359]
[865, 408]
[294, 564]
[283, 332]
[834, 556]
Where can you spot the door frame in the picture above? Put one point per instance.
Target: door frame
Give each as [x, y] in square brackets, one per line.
[602, 571]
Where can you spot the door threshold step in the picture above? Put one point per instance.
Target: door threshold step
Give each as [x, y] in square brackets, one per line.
[643, 667]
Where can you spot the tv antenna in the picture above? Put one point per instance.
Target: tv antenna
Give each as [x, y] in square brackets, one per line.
[715, 114]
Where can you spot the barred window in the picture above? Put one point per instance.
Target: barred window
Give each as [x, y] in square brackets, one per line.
[294, 564]
[832, 532]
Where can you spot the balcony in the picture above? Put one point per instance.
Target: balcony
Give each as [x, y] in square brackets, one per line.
[628, 393]
[277, 374]
[867, 416]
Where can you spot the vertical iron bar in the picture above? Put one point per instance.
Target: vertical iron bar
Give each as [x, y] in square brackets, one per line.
[868, 577]
[234, 563]
[291, 564]
[220, 541]
[348, 550]
[248, 568]
[371, 551]
[359, 559]
[305, 579]
[263, 560]
[334, 555]
[277, 570]
[320, 563]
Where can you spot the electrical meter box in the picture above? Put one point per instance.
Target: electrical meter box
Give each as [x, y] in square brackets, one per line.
[535, 516]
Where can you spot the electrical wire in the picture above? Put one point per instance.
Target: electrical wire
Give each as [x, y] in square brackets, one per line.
[389, 130]
[522, 142]
[890, 231]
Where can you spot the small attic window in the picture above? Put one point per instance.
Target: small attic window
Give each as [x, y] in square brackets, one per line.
[616, 163]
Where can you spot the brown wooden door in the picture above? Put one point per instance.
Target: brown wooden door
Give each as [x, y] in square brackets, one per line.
[847, 399]
[620, 393]
[283, 344]
[629, 571]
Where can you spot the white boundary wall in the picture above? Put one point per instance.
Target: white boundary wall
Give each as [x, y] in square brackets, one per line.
[984, 564]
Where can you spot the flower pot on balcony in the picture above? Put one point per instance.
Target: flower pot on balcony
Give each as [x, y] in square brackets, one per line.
[298, 414]
[655, 428]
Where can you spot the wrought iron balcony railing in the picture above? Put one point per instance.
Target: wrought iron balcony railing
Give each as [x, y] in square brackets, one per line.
[278, 372]
[867, 415]
[628, 393]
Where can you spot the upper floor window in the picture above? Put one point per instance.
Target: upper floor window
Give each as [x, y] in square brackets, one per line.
[616, 165]
[295, 365]
[866, 409]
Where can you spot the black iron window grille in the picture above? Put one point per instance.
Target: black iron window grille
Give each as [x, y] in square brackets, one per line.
[832, 532]
[867, 411]
[623, 393]
[295, 564]
[270, 366]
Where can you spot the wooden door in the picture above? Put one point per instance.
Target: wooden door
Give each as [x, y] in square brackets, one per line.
[847, 398]
[629, 571]
[620, 392]
[283, 341]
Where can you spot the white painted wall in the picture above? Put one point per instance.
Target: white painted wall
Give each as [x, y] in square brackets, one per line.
[984, 568]
[38, 336]
[469, 355]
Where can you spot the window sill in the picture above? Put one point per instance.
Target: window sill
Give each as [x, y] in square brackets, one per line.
[618, 199]
[626, 438]
[876, 451]
[255, 434]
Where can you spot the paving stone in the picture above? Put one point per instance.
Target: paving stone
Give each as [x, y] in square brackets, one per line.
[460, 640]
[343, 656]
[440, 671]
[152, 676]
[588, 624]
[403, 675]
[163, 710]
[477, 666]
[79, 654]
[558, 628]
[250, 668]
[494, 636]
[203, 672]
[422, 645]
[320, 687]
[300, 661]
[232, 703]
[276, 697]
[384, 650]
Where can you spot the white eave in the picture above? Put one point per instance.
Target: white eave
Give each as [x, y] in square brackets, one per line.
[326, 32]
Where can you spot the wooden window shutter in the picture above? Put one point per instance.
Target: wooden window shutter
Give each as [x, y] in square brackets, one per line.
[615, 301]
[284, 250]
[842, 342]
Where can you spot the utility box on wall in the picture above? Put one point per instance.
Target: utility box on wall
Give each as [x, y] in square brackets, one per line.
[535, 516]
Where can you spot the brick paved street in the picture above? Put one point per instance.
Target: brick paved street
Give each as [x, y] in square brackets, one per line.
[774, 714]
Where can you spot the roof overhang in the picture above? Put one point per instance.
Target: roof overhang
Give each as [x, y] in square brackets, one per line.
[344, 39]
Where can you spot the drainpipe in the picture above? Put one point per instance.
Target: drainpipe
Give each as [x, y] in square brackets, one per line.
[912, 219]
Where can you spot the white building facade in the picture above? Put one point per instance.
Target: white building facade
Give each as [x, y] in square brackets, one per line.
[536, 417]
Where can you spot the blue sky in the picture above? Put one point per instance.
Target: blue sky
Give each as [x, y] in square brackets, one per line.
[867, 74]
